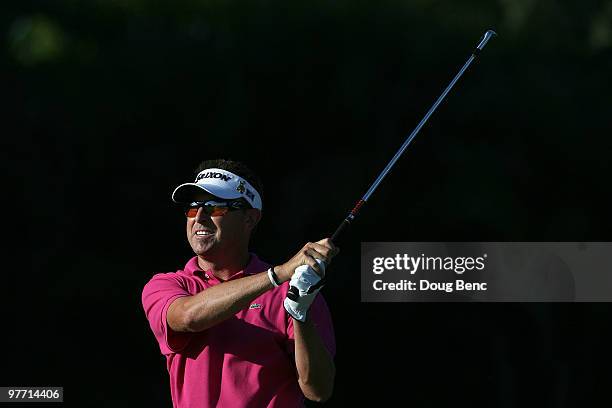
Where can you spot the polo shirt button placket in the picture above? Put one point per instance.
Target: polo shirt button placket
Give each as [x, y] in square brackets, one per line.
[202, 275]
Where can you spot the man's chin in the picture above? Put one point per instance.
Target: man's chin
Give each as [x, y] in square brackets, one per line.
[204, 251]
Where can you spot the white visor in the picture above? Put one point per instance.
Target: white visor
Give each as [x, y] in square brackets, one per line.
[220, 183]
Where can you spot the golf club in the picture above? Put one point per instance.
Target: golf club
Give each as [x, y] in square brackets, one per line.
[486, 37]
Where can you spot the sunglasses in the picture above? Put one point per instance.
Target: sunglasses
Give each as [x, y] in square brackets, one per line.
[214, 208]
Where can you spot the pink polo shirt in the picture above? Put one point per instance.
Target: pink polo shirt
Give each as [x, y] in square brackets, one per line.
[245, 361]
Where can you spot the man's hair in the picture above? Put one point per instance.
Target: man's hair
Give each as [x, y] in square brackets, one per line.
[237, 168]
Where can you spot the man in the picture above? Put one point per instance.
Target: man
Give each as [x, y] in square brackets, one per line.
[236, 331]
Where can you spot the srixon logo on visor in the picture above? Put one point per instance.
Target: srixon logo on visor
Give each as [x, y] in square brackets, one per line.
[213, 174]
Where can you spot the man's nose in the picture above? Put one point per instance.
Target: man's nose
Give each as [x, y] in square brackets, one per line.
[201, 215]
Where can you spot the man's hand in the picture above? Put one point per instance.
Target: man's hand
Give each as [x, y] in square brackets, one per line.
[324, 250]
[308, 268]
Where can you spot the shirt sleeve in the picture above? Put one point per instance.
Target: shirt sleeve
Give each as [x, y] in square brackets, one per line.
[157, 296]
[321, 319]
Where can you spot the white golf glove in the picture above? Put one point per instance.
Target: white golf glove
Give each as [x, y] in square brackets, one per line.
[303, 288]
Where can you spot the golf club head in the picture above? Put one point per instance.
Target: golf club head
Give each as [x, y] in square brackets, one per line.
[485, 38]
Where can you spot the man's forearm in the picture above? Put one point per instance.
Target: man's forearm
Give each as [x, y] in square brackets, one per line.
[213, 305]
[315, 366]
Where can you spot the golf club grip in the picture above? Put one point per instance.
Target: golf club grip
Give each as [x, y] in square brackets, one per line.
[339, 230]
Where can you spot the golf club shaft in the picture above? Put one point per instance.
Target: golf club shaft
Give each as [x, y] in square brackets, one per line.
[487, 36]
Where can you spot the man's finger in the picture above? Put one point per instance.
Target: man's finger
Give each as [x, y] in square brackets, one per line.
[310, 261]
[322, 249]
[318, 255]
[328, 243]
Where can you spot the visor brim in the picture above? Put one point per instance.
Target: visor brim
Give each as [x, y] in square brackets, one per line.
[185, 193]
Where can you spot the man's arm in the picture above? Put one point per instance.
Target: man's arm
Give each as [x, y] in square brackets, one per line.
[315, 366]
[216, 304]
[220, 302]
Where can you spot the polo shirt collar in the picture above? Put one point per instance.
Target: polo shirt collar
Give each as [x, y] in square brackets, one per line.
[192, 268]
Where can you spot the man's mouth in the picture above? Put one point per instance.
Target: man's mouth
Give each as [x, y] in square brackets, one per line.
[203, 233]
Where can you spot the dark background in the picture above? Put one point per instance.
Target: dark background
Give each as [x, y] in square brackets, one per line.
[110, 105]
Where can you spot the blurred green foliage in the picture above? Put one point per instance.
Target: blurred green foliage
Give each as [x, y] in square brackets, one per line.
[36, 39]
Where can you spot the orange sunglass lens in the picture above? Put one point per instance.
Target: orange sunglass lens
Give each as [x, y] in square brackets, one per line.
[217, 211]
[209, 210]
